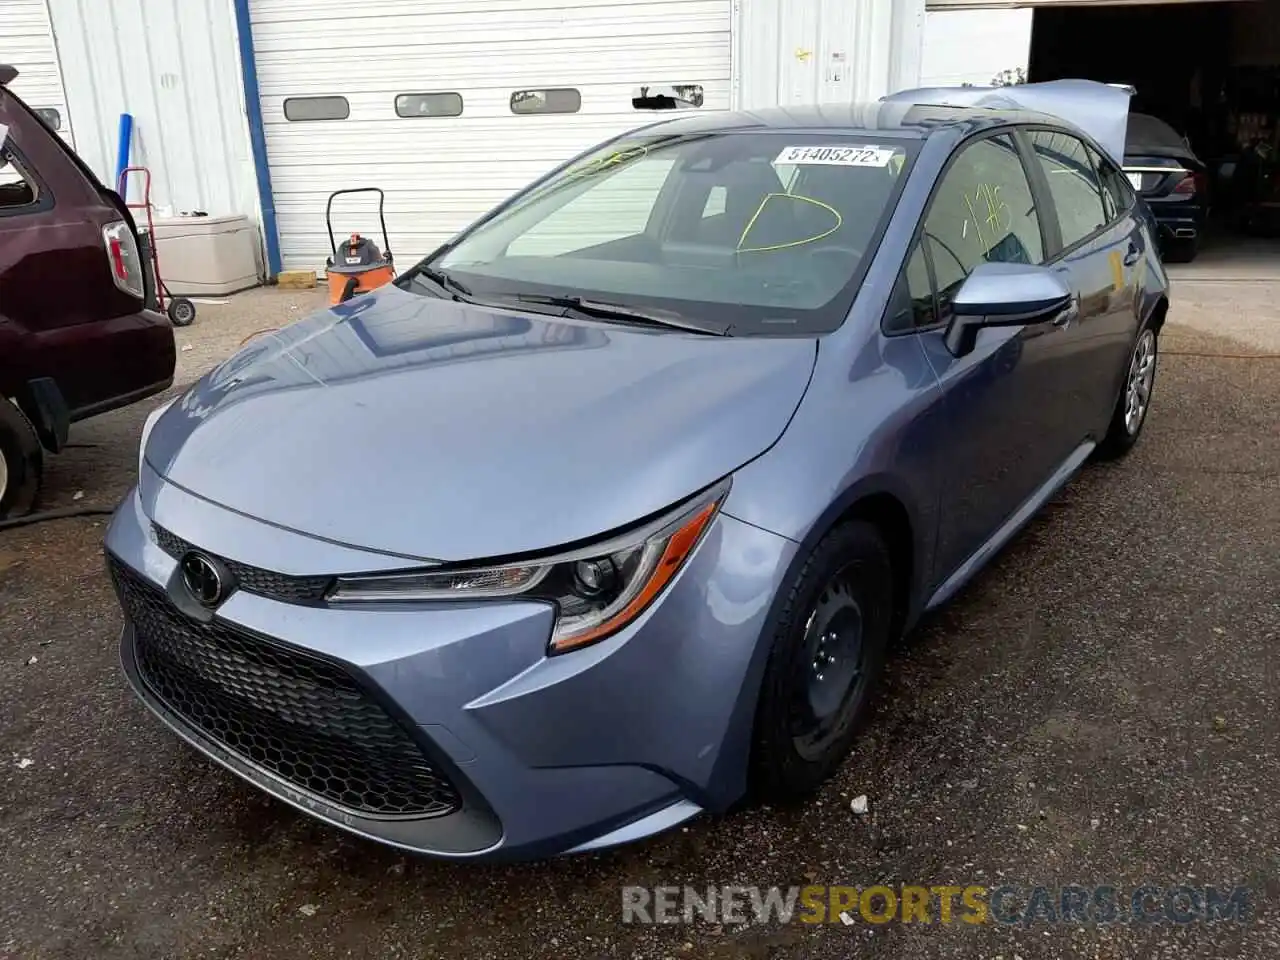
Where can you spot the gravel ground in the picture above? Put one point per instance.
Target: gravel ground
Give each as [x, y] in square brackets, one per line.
[1100, 706]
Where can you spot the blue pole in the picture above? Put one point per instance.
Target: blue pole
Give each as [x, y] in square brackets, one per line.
[122, 153]
[257, 137]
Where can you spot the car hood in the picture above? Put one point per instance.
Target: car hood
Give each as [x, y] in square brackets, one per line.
[439, 430]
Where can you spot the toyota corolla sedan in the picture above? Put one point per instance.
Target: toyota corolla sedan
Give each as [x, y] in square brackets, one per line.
[604, 514]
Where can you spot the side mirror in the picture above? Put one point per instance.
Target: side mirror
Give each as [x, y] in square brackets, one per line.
[1006, 295]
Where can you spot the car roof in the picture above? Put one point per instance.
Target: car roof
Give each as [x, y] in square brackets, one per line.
[899, 120]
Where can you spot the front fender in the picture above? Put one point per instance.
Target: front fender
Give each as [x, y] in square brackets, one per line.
[867, 427]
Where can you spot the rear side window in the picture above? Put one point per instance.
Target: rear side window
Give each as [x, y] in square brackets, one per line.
[1074, 182]
[17, 188]
[983, 212]
[1117, 193]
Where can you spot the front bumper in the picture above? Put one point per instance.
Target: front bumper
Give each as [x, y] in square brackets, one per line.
[324, 706]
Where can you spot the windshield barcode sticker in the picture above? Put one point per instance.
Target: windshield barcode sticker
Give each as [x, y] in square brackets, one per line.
[837, 156]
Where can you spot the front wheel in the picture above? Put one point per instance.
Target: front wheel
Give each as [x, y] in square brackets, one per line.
[21, 462]
[1135, 399]
[825, 662]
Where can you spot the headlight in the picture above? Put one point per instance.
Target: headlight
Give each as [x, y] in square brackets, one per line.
[597, 590]
[150, 422]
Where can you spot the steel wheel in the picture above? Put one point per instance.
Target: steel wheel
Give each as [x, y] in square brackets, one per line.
[1142, 375]
[825, 656]
[4, 476]
[831, 672]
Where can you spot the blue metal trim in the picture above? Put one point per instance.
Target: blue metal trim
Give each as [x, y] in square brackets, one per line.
[257, 137]
[122, 152]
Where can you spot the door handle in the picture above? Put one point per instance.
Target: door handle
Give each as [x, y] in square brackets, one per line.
[1132, 254]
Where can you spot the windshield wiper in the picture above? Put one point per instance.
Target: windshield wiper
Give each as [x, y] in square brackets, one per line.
[444, 281]
[603, 310]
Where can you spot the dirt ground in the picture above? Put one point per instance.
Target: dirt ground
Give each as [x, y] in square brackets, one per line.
[1099, 707]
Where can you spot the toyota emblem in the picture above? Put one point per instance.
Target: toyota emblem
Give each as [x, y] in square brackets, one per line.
[203, 580]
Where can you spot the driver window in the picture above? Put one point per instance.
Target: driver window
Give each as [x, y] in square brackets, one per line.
[982, 212]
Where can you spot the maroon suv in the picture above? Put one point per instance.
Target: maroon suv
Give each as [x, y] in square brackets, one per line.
[75, 337]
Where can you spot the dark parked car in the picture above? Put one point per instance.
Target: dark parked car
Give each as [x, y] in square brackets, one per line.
[610, 507]
[1168, 175]
[75, 338]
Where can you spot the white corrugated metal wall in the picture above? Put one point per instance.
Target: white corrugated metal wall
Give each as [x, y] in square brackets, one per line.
[26, 42]
[827, 51]
[176, 68]
[441, 172]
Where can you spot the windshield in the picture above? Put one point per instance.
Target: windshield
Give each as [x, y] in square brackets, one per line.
[754, 232]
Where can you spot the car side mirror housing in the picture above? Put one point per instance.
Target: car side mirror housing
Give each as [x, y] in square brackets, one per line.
[1006, 295]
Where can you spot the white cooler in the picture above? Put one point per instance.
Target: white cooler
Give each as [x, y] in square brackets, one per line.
[207, 256]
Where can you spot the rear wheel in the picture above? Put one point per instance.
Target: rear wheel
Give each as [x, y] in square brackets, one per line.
[825, 662]
[1135, 399]
[21, 462]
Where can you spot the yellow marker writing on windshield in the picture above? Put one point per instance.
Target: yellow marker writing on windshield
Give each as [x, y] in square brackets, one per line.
[794, 243]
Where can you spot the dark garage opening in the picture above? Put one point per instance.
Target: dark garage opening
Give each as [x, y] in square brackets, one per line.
[1211, 70]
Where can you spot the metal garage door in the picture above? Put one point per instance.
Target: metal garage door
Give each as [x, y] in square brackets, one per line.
[357, 94]
[26, 42]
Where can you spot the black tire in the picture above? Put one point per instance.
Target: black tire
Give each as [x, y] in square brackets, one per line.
[1123, 432]
[845, 587]
[21, 462]
[182, 312]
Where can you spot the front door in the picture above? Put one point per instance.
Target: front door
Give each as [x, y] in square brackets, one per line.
[1010, 415]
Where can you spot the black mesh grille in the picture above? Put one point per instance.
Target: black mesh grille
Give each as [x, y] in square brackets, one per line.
[265, 583]
[302, 718]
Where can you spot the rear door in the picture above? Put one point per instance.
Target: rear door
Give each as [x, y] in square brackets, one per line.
[1102, 249]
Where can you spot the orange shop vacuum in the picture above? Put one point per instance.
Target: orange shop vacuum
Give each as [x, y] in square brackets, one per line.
[356, 264]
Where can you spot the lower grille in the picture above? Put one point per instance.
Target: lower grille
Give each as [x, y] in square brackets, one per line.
[301, 718]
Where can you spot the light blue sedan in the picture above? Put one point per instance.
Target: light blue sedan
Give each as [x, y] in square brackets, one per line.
[605, 513]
